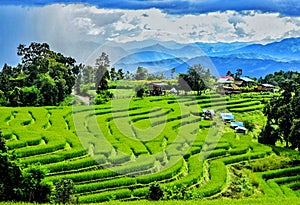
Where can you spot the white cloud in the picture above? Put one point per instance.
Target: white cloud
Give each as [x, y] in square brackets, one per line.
[77, 21]
[66, 26]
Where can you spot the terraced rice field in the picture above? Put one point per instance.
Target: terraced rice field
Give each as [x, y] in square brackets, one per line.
[115, 151]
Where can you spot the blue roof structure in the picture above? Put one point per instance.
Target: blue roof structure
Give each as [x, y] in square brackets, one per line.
[246, 79]
[236, 124]
[227, 116]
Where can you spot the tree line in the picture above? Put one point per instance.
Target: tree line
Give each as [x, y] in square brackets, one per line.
[45, 77]
[283, 112]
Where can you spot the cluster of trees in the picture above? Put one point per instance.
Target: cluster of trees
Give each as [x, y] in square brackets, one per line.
[143, 74]
[279, 77]
[197, 79]
[28, 184]
[283, 113]
[97, 77]
[91, 77]
[235, 75]
[44, 77]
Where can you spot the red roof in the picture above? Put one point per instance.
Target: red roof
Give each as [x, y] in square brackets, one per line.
[227, 77]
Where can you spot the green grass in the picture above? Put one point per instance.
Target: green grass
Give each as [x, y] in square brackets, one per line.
[248, 201]
[116, 150]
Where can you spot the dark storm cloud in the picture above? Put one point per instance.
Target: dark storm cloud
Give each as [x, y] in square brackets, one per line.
[285, 7]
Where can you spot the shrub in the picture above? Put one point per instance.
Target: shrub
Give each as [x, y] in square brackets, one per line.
[64, 192]
[155, 192]
[269, 163]
[249, 124]
[103, 97]
[140, 90]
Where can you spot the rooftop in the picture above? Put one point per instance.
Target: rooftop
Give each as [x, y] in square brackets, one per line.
[246, 79]
[158, 84]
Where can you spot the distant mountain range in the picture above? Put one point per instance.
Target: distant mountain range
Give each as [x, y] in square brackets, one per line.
[255, 59]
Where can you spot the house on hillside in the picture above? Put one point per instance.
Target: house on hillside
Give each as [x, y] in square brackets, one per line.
[225, 80]
[240, 129]
[266, 87]
[157, 88]
[226, 85]
[208, 114]
[236, 124]
[244, 81]
[227, 117]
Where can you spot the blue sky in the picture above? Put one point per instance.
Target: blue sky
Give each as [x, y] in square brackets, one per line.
[76, 28]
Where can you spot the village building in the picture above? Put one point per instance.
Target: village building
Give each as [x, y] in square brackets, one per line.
[227, 117]
[208, 114]
[226, 85]
[225, 80]
[236, 124]
[266, 87]
[244, 81]
[157, 88]
[240, 129]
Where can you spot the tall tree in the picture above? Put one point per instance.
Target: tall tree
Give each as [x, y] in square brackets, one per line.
[78, 83]
[283, 116]
[183, 83]
[160, 76]
[197, 78]
[141, 73]
[102, 73]
[113, 74]
[294, 135]
[121, 74]
[229, 73]
[88, 74]
[173, 72]
[128, 75]
[238, 73]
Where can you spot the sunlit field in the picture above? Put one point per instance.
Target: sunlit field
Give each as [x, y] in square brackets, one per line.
[117, 150]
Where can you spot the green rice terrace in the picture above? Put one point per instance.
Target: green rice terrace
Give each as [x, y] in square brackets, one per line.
[116, 151]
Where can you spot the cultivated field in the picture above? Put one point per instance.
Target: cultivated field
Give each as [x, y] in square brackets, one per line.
[115, 151]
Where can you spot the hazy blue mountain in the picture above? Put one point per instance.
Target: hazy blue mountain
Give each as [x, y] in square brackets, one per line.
[152, 60]
[182, 51]
[155, 47]
[251, 67]
[215, 48]
[255, 59]
[285, 50]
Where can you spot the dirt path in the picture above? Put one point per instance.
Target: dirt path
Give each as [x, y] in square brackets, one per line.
[86, 100]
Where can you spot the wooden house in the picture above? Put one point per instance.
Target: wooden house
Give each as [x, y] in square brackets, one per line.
[266, 87]
[244, 81]
[157, 88]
